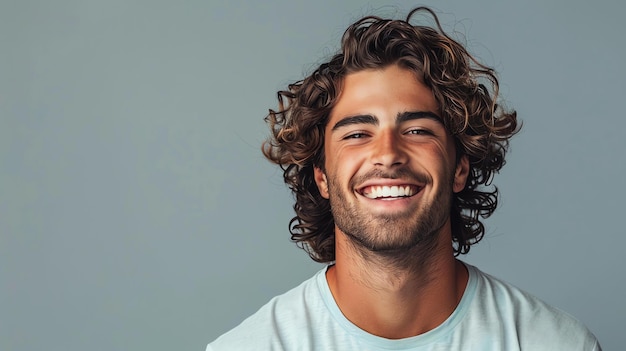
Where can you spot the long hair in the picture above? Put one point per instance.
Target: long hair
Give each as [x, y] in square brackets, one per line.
[465, 90]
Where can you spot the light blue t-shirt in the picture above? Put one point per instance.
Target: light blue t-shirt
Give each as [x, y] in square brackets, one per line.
[492, 315]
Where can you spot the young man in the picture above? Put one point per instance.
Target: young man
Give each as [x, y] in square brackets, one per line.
[389, 148]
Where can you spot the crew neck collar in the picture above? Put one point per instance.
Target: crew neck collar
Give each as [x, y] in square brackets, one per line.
[406, 343]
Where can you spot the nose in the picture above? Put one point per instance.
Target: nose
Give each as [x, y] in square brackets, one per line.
[388, 150]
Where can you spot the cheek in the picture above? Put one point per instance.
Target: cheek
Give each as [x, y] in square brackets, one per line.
[440, 163]
[337, 158]
[341, 168]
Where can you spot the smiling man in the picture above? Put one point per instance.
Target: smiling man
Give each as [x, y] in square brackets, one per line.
[389, 149]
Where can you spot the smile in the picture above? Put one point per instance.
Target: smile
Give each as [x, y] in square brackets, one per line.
[389, 192]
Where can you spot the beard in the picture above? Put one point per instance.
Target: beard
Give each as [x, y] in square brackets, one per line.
[392, 233]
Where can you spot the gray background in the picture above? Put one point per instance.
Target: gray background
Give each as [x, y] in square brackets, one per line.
[137, 212]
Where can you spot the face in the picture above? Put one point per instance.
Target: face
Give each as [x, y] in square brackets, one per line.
[390, 167]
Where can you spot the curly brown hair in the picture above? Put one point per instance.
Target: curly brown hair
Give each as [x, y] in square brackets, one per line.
[465, 90]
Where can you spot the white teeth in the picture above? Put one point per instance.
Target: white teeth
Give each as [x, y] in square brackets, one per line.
[388, 191]
[394, 191]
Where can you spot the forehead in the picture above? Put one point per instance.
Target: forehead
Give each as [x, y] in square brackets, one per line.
[389, 90]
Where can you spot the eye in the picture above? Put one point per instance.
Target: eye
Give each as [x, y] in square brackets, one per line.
[355, 135]
[419, 131]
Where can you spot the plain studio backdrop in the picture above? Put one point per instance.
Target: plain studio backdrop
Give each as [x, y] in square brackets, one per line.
[136, 209]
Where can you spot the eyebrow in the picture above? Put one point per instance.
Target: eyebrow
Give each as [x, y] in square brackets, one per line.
[408, 116]
[400, 118]
[359, 119]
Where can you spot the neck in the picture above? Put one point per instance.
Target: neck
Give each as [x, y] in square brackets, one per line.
[397, 294]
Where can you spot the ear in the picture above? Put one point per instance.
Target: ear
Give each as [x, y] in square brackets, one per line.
[460, 174]
[321, 181]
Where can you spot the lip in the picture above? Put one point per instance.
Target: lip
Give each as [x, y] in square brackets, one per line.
[390, 205]
[416, 187]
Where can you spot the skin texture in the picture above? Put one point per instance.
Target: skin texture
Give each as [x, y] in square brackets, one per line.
[395, 274]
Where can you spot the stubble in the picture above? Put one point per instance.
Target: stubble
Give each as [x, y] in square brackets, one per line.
[401, 239]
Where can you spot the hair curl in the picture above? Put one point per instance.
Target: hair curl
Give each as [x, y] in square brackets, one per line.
[465, 90]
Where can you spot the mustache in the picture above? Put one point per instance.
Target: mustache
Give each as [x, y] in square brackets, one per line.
[399, 173]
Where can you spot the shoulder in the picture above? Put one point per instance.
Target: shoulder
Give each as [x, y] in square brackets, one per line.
[272, 326]
[536, 324]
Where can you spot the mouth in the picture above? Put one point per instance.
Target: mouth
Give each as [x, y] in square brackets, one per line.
[389, 192]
